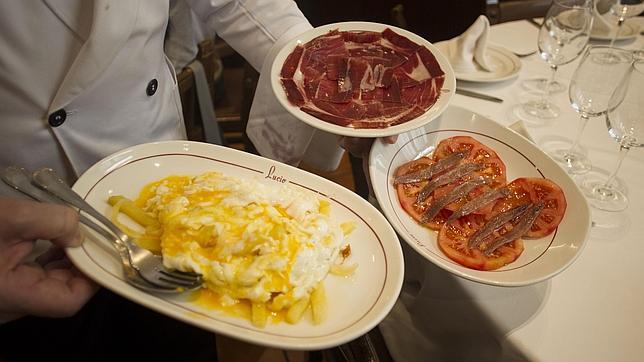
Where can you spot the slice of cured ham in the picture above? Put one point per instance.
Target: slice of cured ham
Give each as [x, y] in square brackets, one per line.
[362, 79]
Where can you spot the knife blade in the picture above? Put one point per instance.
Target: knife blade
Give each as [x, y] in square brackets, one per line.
[469, 93]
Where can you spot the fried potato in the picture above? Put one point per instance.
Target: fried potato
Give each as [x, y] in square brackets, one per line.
[296, 311]
[134, 212]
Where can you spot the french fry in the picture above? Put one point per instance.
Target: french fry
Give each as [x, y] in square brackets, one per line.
[148, 240]
[343, 270]
[258, 314]
[318, 304]
[134, 212]
[297, 310]
[116, 209]
[278, 303]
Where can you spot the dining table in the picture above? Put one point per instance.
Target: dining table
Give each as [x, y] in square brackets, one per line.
[590, 311]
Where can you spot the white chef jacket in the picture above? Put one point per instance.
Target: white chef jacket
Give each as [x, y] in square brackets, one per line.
[80, 80]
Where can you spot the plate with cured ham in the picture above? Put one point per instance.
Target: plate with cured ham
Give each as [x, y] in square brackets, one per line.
[362, 79]
[479, 200]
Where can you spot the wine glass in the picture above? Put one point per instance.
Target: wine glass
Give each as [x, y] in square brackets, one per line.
[591, 87]
[623, 9]
[562, 37]
[625, 122]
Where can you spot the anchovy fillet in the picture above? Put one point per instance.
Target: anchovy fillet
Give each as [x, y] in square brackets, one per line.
[435, 168]
[482, 200]
[449, 176]
[519, 229]
[495, 223]
[458, 192]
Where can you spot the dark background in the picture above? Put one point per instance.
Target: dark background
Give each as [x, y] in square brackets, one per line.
[433, 20]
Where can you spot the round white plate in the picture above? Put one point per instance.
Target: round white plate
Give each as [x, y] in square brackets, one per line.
[506, 65]
[542, 258]
[628, 31]
[434, 111]
[356, 304]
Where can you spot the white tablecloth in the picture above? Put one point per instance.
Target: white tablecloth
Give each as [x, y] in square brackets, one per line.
[592, 311]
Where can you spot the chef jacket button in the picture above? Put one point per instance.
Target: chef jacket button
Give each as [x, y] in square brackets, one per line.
[57, 118]
[152, 87]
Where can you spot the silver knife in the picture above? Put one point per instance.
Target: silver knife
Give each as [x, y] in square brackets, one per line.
[473, 94]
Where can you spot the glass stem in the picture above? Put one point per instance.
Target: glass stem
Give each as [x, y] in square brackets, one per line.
[623, 150]
[546, 91]
[583, 121]
[620, 21]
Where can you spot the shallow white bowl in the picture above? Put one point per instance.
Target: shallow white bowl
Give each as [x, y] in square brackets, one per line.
[434, 111]
[542, 258]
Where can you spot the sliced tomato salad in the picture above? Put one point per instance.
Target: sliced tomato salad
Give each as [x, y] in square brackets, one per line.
[454, 235]
[525, 190]
[453, 238]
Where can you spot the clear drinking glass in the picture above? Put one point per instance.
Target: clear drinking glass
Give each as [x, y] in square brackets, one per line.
[591, 87]
[625, 122]
[562, 37]
[623, 9]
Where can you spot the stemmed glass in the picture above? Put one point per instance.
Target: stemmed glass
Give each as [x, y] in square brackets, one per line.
[625, 122]
[623, 9]
[590, 89]
[562, 37]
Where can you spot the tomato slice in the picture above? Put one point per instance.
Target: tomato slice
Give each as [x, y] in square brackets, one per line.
[453, 238]
[494, 171]
[524, 190]
[407, 194]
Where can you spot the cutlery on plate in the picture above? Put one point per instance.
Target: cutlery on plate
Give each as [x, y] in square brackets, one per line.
[469, 93]
[149, 266]
[134, 272]
[20, 179]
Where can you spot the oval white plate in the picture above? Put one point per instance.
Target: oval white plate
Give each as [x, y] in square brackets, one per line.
[355, 304]
[506, 66]
[542, 258]
[629, 30]
[434, 111]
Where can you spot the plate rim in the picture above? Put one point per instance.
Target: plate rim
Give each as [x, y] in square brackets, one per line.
[516, 62]
[447, 91]
[389, 244]
[635, 28]
[450, 266]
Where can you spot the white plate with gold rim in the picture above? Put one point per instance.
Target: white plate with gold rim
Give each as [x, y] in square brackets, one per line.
[356, 304]
[542, 258]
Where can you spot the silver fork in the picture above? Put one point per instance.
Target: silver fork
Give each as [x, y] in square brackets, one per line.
[149, 266]
[20, 180]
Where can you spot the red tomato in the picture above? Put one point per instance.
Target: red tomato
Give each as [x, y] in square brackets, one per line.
[453, 238]
[524, 190]
[479, 153]
[407, 194]
[494, 171]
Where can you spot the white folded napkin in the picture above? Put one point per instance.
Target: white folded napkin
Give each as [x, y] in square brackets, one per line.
[467, 52]
[603, 23]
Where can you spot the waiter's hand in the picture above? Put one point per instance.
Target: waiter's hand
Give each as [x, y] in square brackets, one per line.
[50, 286]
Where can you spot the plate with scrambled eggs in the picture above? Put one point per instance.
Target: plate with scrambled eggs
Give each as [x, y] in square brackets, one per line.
[289, 259]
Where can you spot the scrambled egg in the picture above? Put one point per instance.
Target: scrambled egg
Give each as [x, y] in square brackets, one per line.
[250, 241]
